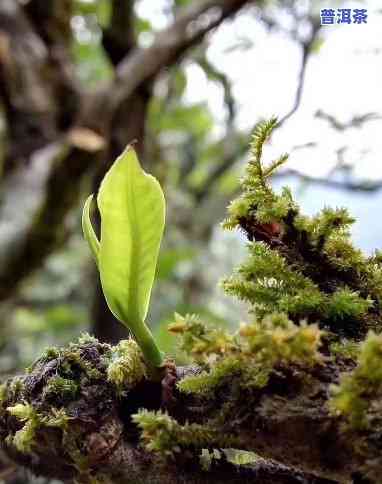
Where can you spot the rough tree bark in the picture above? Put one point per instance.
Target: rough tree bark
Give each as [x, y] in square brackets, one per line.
[287, 420]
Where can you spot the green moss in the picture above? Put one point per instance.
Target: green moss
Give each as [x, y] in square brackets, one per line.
[49, 354]
[126, 367]
[304, 266]
[3, 393]
[206, 458]
[23, 439]
[63, 387]
[57, 418]
[73, 360]
[353, 397]
[241, 457]
[250, 355]
[162, 434]
[270, 284]
[207, 381]
[345, 303]
[200, 340]
[273, 345]
[345, 349]
[15, 388]
[86, 339]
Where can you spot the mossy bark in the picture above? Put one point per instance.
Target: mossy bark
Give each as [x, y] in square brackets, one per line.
[88, 433]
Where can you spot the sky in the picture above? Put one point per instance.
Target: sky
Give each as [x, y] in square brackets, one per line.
[343, 78]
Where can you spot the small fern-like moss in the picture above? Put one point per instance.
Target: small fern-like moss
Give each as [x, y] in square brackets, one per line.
[200, 340]
[304, 266]
[208, 381]
[251, 354]
[162, 434]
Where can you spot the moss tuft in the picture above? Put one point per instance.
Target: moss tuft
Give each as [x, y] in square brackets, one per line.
[206, 458]
[208, 381]
[353, 398]
[63, 415]
[250, 355]
[127, 366]
[23, 439]
[200, 340]
[164, 435]
[345, 349]
[304, 266]
[59, 386]
[3, 393]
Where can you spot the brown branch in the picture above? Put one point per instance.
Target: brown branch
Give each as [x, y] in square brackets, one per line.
[287, 420]
[220, 77]
[34, 206]
[119, 38]
[52, 21]
[25, 90]
[168, 46]
[306, 47]
[348, 185]
[354, 122]
[233, 155]
[236, 148]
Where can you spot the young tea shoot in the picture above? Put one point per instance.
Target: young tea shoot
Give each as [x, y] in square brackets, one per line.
[132, 210]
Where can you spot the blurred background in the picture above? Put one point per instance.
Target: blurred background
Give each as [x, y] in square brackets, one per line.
[187, 79]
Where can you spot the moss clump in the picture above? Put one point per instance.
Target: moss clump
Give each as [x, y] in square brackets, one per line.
[63, 387]
[251, 354]
[24, 438]
[303, 266]
[126, 367]
[357, 392]
[207, 381]
[3, 393]
[63, 416]
[200, 340]
[347, 349]
[164, 435]
[207, 457]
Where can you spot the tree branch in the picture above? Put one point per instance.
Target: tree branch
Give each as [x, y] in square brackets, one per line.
[286, 419]
[119, 38]
[34, 206]
[348, 185]
[306, 47]
[216, 75]
[26, 92]
[168, 46]
[52, 21]
[354, 122]
[235, 149]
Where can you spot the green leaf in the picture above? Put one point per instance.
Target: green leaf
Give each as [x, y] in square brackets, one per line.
[88, 230]
[132, 209]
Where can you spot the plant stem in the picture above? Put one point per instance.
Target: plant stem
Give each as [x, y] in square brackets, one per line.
[151, 352]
